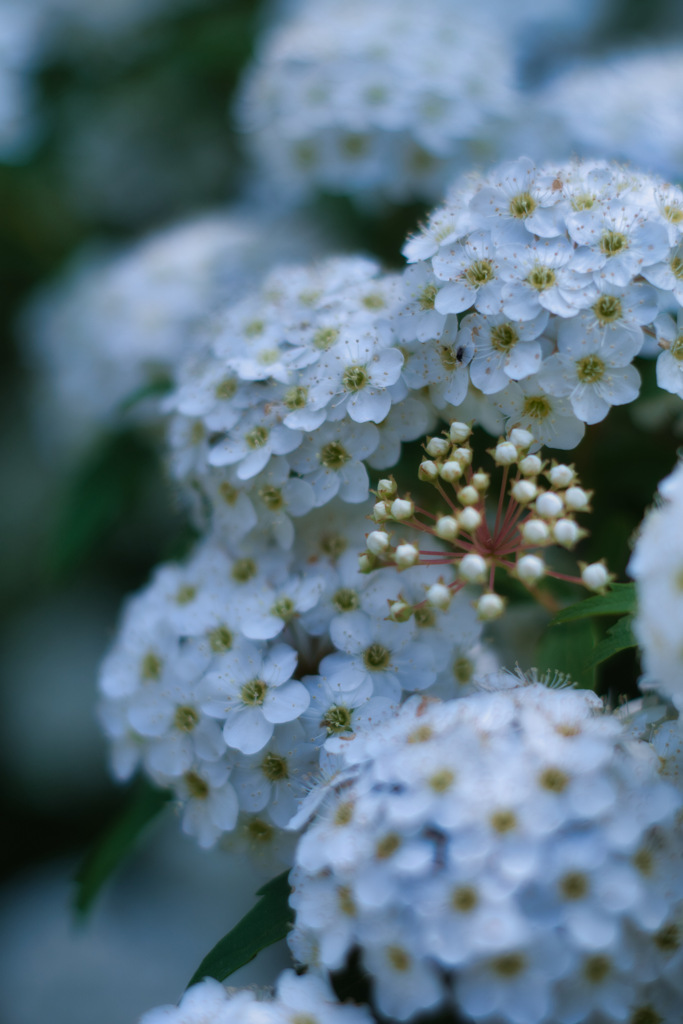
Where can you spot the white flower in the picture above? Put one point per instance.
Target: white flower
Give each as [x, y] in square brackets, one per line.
[260, 435]
[379, 658]
[540, 275]
[472, 270]
[331, 460]
[504, 350]
[518, 202]
[354, 377]
[657, 566]
[592, 368]
[550, 419]
[253, 692]
[670, 360]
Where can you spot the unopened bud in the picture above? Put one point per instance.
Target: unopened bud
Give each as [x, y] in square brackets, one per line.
[521, 438]
[459, 432]
[399, 611]
[468, 495]
[378, 542]
[386, 488]
[446, 528]
[530, 568]
[561, 475]
[380, 512]
[406, 555]
[595, 576]
[437, 447]
[481, 481]
[524, 491]
[366, 562]
[576, 499]
[530, 465]
[490, 607]
[469, 519]
[549, 505]
[463, 455]
[439, 596]
[402, 508]
[505, 453]
[473, 568]
[451, 471]
[535, 531]
[428, 471]
[566, 532]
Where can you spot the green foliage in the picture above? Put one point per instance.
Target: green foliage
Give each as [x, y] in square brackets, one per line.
[143, 805]
[620, 599]
[105, 488]
[565, 649]
[154, 389]
[619, 638]
[267, 922]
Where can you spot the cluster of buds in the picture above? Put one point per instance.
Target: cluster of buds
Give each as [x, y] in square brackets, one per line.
[536, 507]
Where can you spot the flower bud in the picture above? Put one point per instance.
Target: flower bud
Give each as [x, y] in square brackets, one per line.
[469, 519]
[378, 542]
[463, 455]
[490, 607]
[439, 596]
[386, 488]
[437, 447]
[380, 512]
[530, 568]
[481, 481]
[535, 531]
[524, 491]
[566, 532]
[459, 432]
[576, 499]
[406, 555]
[402, 508]
[561, 475]
[428, 471]
[521, 438]
[549, 505]
[451, 471]
[366, 562]
[530, 465]
[446, 528]
[473, 568]
[399, 611]
[595, 576]
[505, 453]
[468, 495]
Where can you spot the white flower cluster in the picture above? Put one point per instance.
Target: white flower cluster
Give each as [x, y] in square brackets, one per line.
[384, 99]
[514, 852]
[298, 389]
[544, 281]
[130, 317]
[21, 44]
[296, 999]
[234, 680]
[624, 107]
[535, 516]
[657, 566]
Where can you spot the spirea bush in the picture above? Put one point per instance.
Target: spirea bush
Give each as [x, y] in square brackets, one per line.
[494, 846]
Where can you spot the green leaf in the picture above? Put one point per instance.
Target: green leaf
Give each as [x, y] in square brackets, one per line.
[153, 389]
[565, 649]
[144, 803]
[105, 487]
[267, 922]
[619, 638]
[619, 600]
